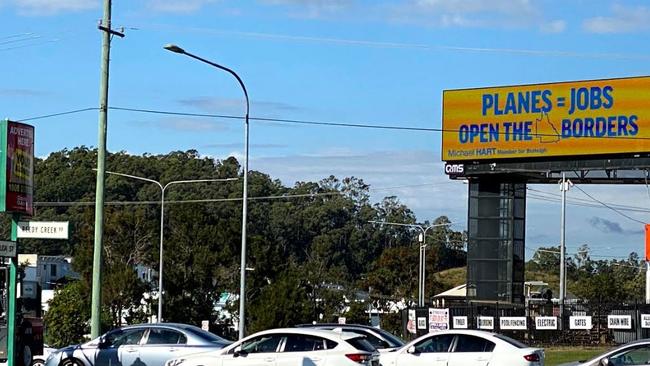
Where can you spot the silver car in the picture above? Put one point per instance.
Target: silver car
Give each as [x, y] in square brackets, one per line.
[138, 345]
[629, 354]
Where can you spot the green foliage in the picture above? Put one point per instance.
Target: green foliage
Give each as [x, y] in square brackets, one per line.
[67, 318]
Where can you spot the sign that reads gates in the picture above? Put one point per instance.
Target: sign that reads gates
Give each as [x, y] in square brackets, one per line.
[16, 167]
[547, 120]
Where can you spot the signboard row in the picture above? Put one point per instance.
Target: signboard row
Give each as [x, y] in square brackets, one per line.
[439, 319]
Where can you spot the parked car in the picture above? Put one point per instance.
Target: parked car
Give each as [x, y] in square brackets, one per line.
[289, 347]
[39, 360]
[138, 345]
[379, 338]
[464, 348]
[633, 353]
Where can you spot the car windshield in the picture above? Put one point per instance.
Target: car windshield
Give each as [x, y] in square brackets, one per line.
[205, 335]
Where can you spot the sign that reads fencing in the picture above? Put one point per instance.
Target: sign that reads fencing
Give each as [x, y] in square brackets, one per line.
[460, 322]
[580, 322]
[546, 323]
[512, 322]
[43, 229]
[485, 322]
[619, 321]
[438, 319]
[7, 248]
[547, 120]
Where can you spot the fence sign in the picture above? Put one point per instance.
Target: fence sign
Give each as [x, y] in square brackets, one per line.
[512, 323]
[410, 325]
[485, 322]
[438, 319]
[580, 322]
[422, 322]
[546, 323]
[460, 322]
[619, 321]
[645, 320]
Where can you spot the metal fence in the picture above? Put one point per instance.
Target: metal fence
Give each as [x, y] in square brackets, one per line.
[611, 323]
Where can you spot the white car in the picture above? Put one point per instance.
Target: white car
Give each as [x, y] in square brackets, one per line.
[464, 348]
[289, 347]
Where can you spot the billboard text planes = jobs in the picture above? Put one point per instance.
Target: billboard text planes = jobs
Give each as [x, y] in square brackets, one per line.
[547, 120]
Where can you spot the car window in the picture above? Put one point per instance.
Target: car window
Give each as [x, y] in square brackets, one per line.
[262, 344]
[392, 339]
[205, 335]
[361, 344]
[440, 343]
[630, 357]
[330, 344]
[165, 336]
[373, 339]
[303, 343]
[122, 337]
[470, 343]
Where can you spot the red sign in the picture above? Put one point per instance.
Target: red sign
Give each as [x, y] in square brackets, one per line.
[19, 178]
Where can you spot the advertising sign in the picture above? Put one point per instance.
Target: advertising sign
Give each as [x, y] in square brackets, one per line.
[43, 229]
[438, 319]
[485, 322]
[460, 322]
[546, 323]
[512, 322]
[410, 325]
[16, 167]
[547, 120]
[645, 320]
[580, 322]
[619, 321]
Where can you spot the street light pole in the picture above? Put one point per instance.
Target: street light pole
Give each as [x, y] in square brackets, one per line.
[423, 251]
[242, 274]
[162, 222]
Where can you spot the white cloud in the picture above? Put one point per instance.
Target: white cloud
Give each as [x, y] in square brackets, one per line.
[622, 20]
[312, 8]
[51, 7]
[555, 26]
[178, 6]
[186, 124]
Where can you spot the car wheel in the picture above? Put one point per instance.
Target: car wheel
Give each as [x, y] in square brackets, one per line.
[26, 356]
[70, 362]
[38, 362]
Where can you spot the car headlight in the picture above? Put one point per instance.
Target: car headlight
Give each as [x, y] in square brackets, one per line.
[175, 362]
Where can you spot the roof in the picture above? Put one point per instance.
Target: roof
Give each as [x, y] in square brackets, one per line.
[458, 291]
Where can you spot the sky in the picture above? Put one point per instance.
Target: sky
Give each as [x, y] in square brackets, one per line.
[343, 61]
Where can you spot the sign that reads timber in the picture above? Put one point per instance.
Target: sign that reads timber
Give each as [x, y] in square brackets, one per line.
[619, 321]
[547, 120]
[512, 322]
[460, 322]
[43, 229]
[546, 323]
[16, 167]
[580, 322]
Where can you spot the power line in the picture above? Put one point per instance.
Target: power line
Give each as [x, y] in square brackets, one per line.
[610, 207]
[59, 114]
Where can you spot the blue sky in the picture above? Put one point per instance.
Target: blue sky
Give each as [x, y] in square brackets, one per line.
[345, 61]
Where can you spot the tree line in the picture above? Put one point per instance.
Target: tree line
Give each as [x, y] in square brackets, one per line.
[310, 246]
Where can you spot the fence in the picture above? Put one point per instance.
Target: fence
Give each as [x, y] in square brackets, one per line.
[539, 324]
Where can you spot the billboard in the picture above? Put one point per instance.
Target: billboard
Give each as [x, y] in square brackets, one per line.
[610, 116]
[16, 167]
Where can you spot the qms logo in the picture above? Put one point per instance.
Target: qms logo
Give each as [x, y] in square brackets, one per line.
[454, 169]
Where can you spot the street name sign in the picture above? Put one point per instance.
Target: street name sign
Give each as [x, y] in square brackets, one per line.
[7, 248]
[43, 229]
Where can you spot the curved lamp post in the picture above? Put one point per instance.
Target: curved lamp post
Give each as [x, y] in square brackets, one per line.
[162, 222]
[422, 238]
[242, 282]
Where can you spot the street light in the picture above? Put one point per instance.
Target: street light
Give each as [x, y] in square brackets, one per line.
[422, 238]
[162, 222]
[242, 282]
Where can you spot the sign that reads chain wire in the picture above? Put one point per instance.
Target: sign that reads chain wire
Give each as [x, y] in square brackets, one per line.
[596, 117]
[16, 167]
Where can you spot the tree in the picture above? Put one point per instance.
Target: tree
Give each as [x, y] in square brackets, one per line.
[67, 317]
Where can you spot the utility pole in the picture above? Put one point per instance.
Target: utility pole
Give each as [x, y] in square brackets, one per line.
[107, 33]
[564, 187]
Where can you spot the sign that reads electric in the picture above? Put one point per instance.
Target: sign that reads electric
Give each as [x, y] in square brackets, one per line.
[547, 120]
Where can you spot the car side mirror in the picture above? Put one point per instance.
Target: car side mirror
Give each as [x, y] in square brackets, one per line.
[103, 343]
[239, 352]
[604, 361]
[411, 350]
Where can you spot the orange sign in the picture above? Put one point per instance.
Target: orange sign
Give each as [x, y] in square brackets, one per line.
[596, 117]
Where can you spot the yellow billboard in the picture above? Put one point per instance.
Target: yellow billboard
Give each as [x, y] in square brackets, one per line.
[595, 117]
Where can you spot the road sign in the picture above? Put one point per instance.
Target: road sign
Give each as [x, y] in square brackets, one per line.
[7, 248]
[43, 229]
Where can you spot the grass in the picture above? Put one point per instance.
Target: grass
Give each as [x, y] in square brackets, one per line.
[558, 355]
